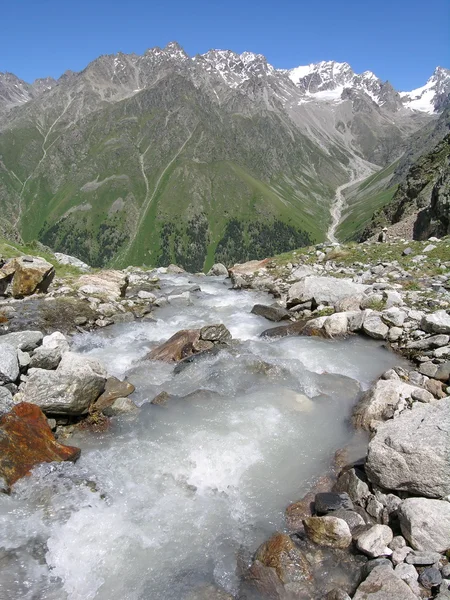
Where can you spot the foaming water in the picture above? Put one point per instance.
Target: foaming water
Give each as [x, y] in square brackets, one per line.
[163, 503]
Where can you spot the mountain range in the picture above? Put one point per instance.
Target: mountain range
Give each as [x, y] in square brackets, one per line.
[162, 157]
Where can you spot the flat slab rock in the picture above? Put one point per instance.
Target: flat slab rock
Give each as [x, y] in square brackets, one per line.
[26, 440]
[323, 290]
[411, 453]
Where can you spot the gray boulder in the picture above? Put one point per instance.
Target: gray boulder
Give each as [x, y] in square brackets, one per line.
[70, 390]
[6, 400]
[381, 401]
[411, 453]
[374, 542]
[425, 523]
[383, 584]
[272, 313]
[374, 327]
[25, 340]
[217, 270]
[45, 358]
[9, 364]
[437, 322]
[322, 290]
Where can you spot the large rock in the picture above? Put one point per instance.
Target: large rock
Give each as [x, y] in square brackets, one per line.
[272, 313]
[322, 290]
[380, 402]
[437, 322]
[217, 270]
[71, 261]
[279, 563]
[188, 342]
[110, 284]
[374, 542]
[114, 389]
[411, 453]
[336, 325]
[383, 584]
[9, 363]
[425, 523]
[6, 400]
[328, 531]
[26, 440]
[70, 390]
[31, 274]
[374, 327]
[23, 340]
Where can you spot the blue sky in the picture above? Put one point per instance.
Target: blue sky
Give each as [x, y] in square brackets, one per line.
[399, 40]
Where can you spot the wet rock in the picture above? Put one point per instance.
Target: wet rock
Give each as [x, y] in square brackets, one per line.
[297, 511]
[31, 275]
[430, 578]
[217, 270]
[410, 453]
[383, 584]
[114, 389]
[70, 390]
[322, 290]
[215, 333]
[374, 542]
[25, 340]
[9, 364]
[120, 406]
[380, 402]
[272, 313]
[26, 440]
[328, 531]
[374, 327]
[188, 342]
[161, 399]
[353, 482]
[6, 400]
[425, 523]
[325, 502]
[295, 328]
[279, 563]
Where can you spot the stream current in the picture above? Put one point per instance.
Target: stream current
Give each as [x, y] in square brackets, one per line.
[164, 502]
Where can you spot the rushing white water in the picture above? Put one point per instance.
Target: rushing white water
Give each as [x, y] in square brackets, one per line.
[164, 502]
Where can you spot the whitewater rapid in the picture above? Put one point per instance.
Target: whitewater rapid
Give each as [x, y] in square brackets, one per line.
[167, 501]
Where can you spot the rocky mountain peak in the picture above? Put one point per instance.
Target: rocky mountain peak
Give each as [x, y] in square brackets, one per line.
[431, 97]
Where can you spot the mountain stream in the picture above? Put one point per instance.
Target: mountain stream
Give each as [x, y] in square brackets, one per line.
[163, 503]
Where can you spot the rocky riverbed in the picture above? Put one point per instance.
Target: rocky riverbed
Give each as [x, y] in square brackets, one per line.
[202, 413]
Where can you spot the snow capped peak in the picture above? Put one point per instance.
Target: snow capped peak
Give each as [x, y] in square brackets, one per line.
[432, 96]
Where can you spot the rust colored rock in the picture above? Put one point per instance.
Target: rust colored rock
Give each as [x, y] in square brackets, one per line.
[31, 274]
[26, 440]
[179, 346]
[114, 388]
[437, 388]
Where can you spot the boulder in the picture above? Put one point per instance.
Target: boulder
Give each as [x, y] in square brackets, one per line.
[45, 358]
[328, 531]
[109, 284]
[336, 325]
[410, 453]
[394, 316]
[6, 400]
[374, 542]
[70, 390]
[114, 389]
[26, 440]
[380, 402]
[374, 327]
[425, 523]
[23, 340]
[322, 290]
[437, 322]
[31, 274]
[279, 563]
[218, 270]
[9, 364]
[272, 313]
[353, 482]
[430, 578]
[383, 584]
[325, 502]
[351, 517]
[71, 261]
[187, 342]
[429, 343]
